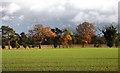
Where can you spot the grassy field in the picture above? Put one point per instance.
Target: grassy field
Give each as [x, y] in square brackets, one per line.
[74, 59]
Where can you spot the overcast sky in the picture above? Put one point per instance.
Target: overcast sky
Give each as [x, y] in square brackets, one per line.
[22, 15]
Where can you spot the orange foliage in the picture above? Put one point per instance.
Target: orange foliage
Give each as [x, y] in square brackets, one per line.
[41, 32]
[63, 39]
[45, 39]
[68, 37]
[84, 41]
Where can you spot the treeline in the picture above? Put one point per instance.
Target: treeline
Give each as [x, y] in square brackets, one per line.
[39, 35]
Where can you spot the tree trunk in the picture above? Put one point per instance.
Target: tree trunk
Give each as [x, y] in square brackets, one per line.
[69, 46]
[83, 45]
[59, 46]
[66, 46]
[63, 46]
[39, 45]
[8, 44]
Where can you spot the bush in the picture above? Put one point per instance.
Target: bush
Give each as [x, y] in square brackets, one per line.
[55, 45]
[29, 46]
[33, 46]
[117, 43]
[97, 45]
[17, 45]
[110, 44]
[24, 45]
[3, 45]
[13, 44]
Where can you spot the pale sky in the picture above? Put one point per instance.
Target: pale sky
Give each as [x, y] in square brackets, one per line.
[22, 15]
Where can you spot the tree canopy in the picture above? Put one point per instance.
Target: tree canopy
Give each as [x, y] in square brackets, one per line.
[85, 31]
[110, 34]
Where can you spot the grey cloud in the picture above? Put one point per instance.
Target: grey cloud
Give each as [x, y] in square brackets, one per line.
[62, 16]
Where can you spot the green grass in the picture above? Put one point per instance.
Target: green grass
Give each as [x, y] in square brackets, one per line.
[74, 59]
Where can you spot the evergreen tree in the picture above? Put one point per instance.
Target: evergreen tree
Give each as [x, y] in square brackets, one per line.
[110, 34]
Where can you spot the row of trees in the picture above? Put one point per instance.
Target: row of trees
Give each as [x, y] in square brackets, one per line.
[39, 35]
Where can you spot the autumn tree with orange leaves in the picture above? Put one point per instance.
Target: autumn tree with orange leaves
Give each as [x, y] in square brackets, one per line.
[64, 39]
[84, 32]
[40, 33]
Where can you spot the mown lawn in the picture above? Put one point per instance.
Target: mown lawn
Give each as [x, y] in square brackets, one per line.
[74, 59]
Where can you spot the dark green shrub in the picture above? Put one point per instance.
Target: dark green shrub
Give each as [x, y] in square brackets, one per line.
[24, 45]
[117, 43]
[3, 45]
[33, 46]
[17, 45]
[110, 44]
[55, 45]
[97, 45]
[29, 46]
[13, 44]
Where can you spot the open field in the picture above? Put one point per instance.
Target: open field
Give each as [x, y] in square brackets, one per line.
[74, 59]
